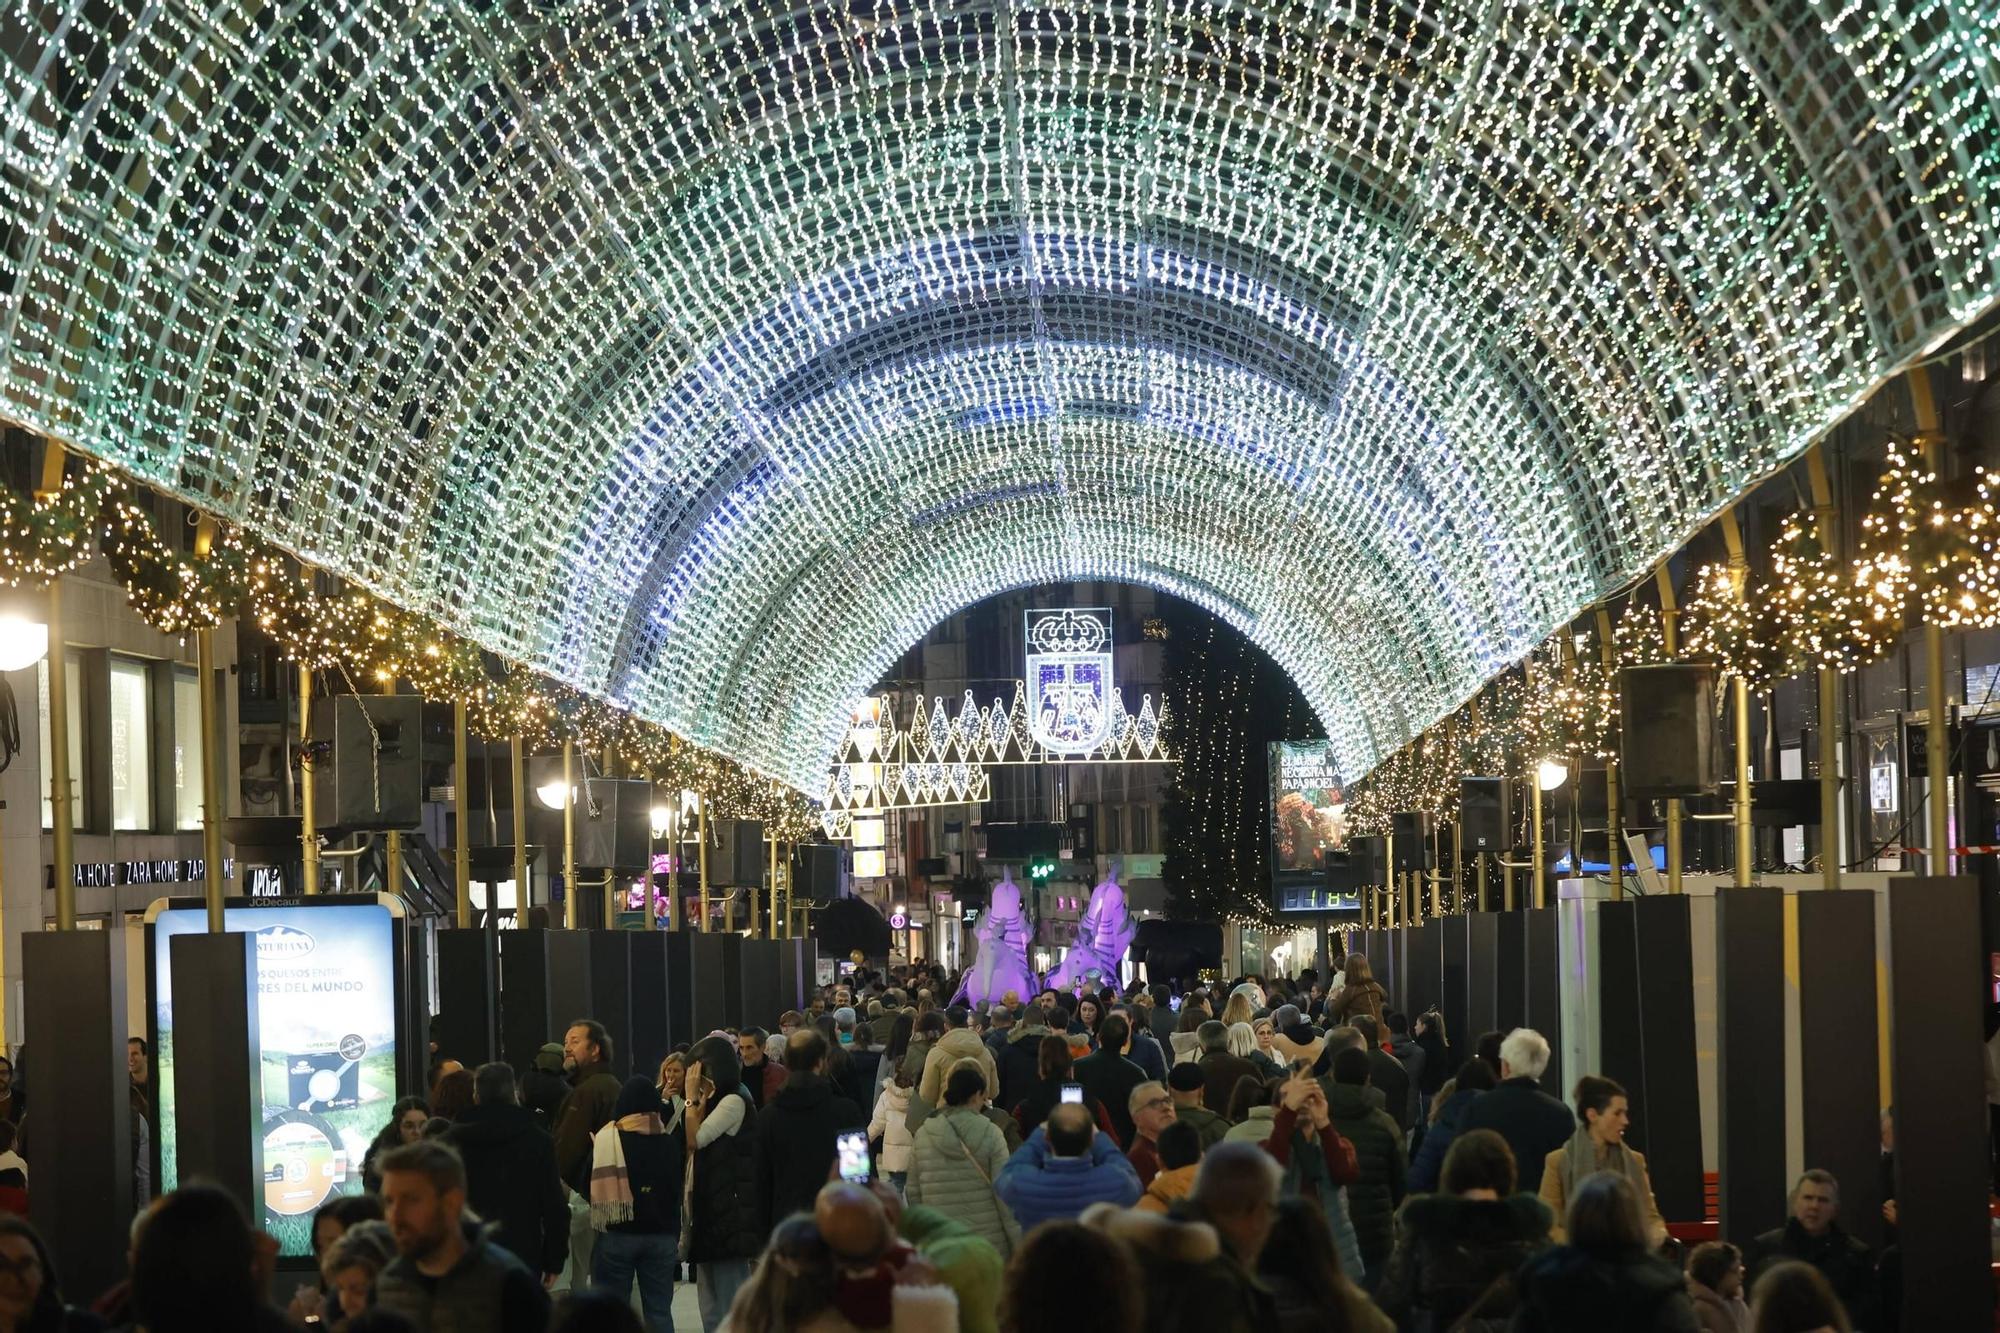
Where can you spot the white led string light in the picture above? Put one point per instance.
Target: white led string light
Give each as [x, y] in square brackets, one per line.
[707, 355]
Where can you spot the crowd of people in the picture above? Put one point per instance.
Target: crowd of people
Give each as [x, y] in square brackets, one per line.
[1250, 1159]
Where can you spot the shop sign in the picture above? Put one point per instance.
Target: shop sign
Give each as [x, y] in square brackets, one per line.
[111, 874]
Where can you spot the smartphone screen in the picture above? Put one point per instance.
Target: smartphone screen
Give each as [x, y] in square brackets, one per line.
[852, 1147]
[1072, 1092]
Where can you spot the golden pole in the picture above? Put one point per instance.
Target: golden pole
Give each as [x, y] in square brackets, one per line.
[1670, 636]
[60, 798]
[1937, 750]
[524, 896]
[1739, 694]
[1457, 861]
[461, 860]
[701, 834]
[1831, 850]
[1614, 823]
[211, 758]
[392, 858]
[308, 800]
[570, 890]
[1479, 860]
[1537, 866]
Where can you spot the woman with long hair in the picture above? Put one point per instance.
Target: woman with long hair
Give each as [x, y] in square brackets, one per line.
[32, 1301]
[793, 1286]
[893, 1054]
[1361, 995]
[1794, 1297]
[1068, 1275]
[1057, 1066]
[1302, 1268]
[1238, 1008]
[452, 1097]
[406, 1125]
[720, 1220]
[1606, 1276]
[1186, 1044]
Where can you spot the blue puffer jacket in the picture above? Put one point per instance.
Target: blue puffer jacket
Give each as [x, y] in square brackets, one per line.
[1427, 1169]
[1039, 1187]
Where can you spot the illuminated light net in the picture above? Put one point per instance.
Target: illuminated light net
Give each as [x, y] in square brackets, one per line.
[707, 355]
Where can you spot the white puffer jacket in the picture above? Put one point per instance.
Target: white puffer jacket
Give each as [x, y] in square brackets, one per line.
[890, 1124]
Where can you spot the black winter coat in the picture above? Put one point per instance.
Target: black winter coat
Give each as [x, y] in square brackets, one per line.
[1845, 1262]
[723, 1224]
[1450, 1252]
[1378, 1151]
[795, 1145]
[1438, 1063]
[511, 1182]
[542, 1093]
[1386, 1072]
[1019, 1064]
[1533, 1123]
[1566, 1290]
[1110, 1078]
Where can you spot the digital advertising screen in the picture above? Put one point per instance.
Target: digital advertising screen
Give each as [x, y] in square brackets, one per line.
[1308, 812]
[326, 1016]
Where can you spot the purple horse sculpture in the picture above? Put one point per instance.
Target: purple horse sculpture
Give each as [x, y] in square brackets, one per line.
[1002, 964]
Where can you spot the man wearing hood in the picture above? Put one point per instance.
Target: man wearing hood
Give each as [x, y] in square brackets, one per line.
[796, 1133]
[1019, 1062]
[960, 1043]
[510, 1173]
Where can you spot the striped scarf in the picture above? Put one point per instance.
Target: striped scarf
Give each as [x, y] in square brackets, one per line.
[610, 1181]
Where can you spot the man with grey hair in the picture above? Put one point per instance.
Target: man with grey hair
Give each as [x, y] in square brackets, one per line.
[1533, 1123]
[1813, 1235]
[1220, 1070]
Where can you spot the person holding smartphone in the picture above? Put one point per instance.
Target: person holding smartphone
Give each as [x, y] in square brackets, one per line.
[721, 1236]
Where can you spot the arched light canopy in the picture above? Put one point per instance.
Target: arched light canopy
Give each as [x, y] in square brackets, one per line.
[707, 354]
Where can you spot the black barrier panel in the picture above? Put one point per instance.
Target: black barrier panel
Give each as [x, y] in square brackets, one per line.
[611, 995]
[1482, 957]
[1750, 1058]
[526, 1021]
[651, 1039]
[1542, 990]
[680, 987]
[80, 1152]
[757, 981]
[1454, 979]
[1510, 976]
[1839, 1083]
[569, 980]
[1621, 1033]
[1673, 1090]
[790, 996]
[468, 988]
[1938, 990]
[1422, 982]
[717, 991]
[218, 1065]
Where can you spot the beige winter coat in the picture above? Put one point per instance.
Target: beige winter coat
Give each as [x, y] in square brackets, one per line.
[956, 1045]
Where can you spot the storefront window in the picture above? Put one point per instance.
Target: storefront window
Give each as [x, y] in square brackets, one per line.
[187, 750]
[131, 746]
[73, 676]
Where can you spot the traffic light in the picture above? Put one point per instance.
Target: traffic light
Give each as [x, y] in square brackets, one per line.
[1041, 869]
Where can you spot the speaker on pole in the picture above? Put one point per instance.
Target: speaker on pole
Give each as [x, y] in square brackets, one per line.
[1411, 840]
[1668, 731]
[1364, 855]
[1485, 813]
[816, 872]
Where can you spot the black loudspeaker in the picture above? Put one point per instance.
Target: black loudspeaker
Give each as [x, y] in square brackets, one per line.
[739, 859]
[614, 823]
[933, 867]
[1364, 855]
[1486, 807]
[1667, 719]
[1410, 842]
[372, 777]
[1345, 872]
[816, 872]
[1022, 842]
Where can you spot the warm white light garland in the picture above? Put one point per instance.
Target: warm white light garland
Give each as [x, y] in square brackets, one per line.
[706, 355]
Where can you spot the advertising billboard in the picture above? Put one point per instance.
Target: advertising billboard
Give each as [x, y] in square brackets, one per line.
[1307, 808]
[326, 1014]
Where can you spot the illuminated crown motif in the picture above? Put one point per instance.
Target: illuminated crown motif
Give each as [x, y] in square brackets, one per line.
[1067, 631]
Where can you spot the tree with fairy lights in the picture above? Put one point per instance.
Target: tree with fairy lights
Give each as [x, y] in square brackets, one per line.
[1231, 702]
